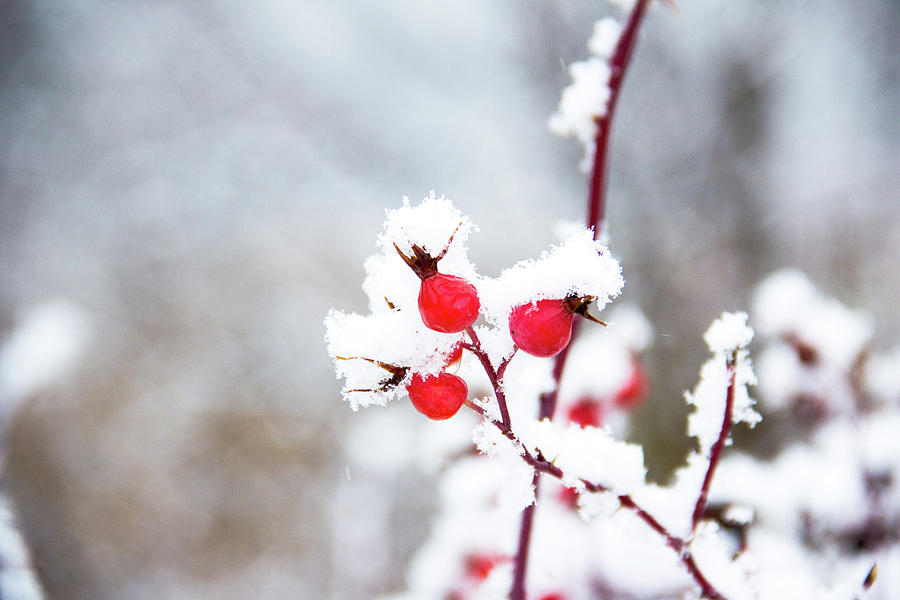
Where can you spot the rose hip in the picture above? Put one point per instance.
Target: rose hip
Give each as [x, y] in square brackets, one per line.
[439, 396]
[448, 303]
[544, 328]
[586, 413]
[541, 329]
[569, 497]
[479, 566]
[634, 389]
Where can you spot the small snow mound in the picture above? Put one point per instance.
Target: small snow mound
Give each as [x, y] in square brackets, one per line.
[728, 332]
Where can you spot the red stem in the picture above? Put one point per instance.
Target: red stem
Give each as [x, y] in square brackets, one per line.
[715, 453]
[476, 349]
[517, 592]
[596, 214]
[618, 66]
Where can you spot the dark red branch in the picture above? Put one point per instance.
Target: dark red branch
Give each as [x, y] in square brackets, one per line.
[715, 453]
[476, 349]
[706, 588]
[618, 66]
[517, 592]
[501, 370]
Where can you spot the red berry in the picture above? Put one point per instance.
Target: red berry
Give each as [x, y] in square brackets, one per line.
[542, 328]
[439, 396]
[569, 497]
[448, 303]
[634, 389]
[586, 412]
[479, 566]
[555, 596]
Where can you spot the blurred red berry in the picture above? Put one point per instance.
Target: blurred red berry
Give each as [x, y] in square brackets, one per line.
[542, 328]
[554, 596]
[448, 303]
[439, 396]
[633, 391]
[586, 412]
[479, 566]
[569, 497]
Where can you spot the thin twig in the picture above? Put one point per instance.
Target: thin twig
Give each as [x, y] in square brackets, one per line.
[517, 591]
[715, 454]
[476, 349]
[618, 66]
[501, 370]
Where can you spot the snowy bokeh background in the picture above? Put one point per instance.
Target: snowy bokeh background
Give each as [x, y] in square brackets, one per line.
[188, 187]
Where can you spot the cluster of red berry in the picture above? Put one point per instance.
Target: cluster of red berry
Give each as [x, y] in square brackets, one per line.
[450, 304]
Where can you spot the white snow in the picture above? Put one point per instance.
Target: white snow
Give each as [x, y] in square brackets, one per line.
[588, 453]
[582, 103]
[579, 266]
[728, 332]
[46, 342]
[429, 224]
[517, 491]
[604, 38]
[397, 338]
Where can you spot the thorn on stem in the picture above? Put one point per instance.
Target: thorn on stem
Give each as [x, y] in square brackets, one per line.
[397, 373]
[872, 575]
[449, 241]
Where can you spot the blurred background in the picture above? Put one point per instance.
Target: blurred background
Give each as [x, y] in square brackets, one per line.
[191, 186]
